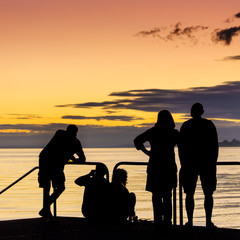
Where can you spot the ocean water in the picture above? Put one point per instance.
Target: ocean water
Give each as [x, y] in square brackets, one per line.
[24, 200]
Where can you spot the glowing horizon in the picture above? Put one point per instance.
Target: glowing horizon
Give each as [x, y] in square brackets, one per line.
[74, 52]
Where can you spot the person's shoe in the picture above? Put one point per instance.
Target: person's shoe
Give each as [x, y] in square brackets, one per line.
[211, 226]
[46, 213]
[133, 218]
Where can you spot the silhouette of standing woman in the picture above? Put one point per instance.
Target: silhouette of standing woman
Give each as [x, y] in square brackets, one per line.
[162, 169]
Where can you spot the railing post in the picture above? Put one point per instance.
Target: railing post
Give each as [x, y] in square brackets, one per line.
[174, 190]
[174, 207]
[18, 180]
[180, 204]
[55, 208]
[130, 163]
[72, 163]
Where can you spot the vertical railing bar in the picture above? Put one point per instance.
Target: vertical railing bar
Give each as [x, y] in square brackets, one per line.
[72, 163]
[115, 167]
[180, 204]
[55, 209]
[174, 207]
[174, 190]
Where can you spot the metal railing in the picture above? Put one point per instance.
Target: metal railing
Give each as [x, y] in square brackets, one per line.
[37, 167]
[174, 189]
[19, 179]
[73, 163]
[90, 163]
[129, 163]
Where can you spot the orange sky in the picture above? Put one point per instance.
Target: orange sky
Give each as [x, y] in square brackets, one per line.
[71, 51]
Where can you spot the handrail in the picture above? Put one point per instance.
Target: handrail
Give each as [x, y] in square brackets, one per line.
[181, 190]
[127, 163]
[37, 167]
[174, 189]
[19, 179]
[76, 163]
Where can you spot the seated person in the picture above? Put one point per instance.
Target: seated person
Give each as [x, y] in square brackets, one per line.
[95, 198]
[122, 202]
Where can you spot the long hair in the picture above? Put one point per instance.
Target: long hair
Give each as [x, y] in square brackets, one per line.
[165, 120]
[119, 176]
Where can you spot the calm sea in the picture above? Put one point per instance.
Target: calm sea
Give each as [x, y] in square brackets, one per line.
[24, 200]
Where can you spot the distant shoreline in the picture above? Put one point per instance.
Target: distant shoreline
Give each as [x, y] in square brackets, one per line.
[220, 145]
[233, 143]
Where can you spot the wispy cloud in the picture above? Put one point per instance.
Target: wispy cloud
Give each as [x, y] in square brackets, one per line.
[192, 34]
[234, 17]
[188, 32]
[237, 57]
[226, 35]
[21, 116]
[93, 135]
[90, 135]
[87, 104]
[220, 101]
[153, 33]
[109, 117]
[32, 128]
[175, 32]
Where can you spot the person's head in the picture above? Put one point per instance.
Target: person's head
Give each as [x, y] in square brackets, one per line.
[72, 130]
[120, 176]
[101, 170]
[165, 120]
[197, 110]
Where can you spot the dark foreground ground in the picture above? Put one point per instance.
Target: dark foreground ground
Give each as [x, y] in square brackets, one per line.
[78, 228]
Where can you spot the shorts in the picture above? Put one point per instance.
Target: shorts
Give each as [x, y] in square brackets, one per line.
[46, 178]
[189, 179]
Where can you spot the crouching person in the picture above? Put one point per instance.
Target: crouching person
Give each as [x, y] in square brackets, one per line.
[95, 206]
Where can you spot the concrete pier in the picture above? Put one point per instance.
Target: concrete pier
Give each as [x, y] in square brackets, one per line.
[80, 229]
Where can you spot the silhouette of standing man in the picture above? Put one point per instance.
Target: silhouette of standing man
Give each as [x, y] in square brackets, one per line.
[52, 160]
[198, 153]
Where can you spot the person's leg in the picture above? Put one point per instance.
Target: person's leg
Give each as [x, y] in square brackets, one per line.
[190, 207]
[46, 191]
[56, 193]
[190, 178]
[208, 205]
[208, 180]
[157, 207]
[167, 207]
[58, 185]
[45, 211]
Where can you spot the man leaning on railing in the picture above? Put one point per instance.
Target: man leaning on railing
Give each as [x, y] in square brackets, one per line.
[52, 160]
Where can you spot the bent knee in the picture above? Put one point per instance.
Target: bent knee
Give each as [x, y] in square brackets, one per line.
[132, 197]
[60, 188]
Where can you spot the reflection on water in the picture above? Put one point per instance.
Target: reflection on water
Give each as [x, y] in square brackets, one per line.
[24, 200]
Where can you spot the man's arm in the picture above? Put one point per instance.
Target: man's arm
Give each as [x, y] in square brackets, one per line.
[84, 180]
[81, 156]
[182, 151]
[215, 147]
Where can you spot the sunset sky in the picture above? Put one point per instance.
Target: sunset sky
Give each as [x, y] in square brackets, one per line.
[110, 66]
